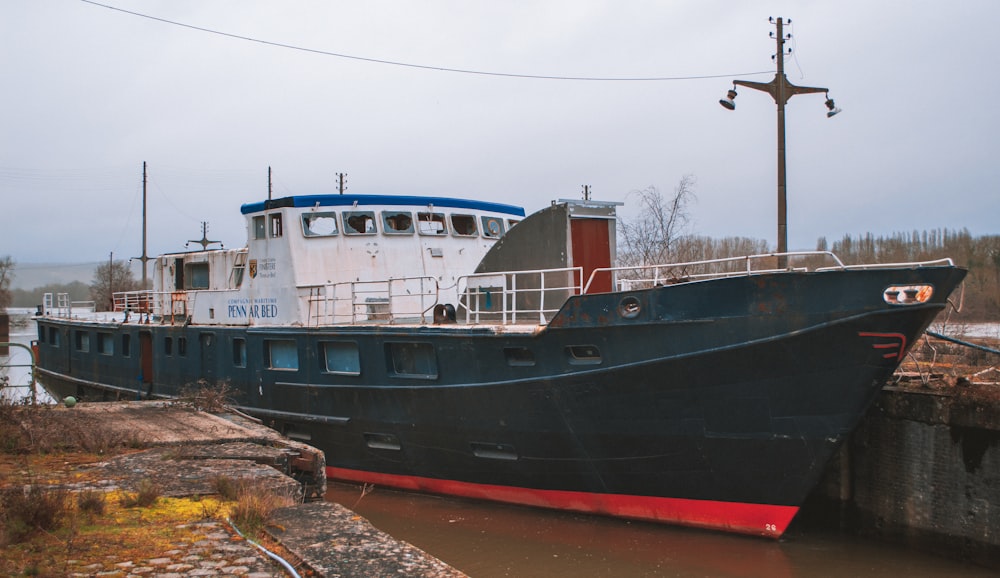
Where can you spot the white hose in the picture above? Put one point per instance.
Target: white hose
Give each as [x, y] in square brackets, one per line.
[270, 554]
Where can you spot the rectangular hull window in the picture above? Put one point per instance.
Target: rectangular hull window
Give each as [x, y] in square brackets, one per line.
[281, 354]
[105, 343]
[341, 357]
[239, 352]
[412, 360]
[82, 341]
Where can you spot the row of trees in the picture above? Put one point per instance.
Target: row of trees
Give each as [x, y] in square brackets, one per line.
[6, 277]
[109, 278]
[660, 234]
[980, 255]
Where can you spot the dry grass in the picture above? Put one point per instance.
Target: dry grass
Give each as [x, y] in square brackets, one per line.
[43, 429]
[48, 531]
[207, 397]
[252, 504]
[84, 537]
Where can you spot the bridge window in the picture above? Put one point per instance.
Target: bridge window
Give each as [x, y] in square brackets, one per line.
[492, 227]
[359, 223]
[397, 222]
[168, 345]
[323, 224]
[182, 346]
[259, 230]
[276, 227]
[196, 275]
[281, 354]
[53, 337]
[464, 225]
[431, 224]
[126, 345]
[341, 357]
[412, 360]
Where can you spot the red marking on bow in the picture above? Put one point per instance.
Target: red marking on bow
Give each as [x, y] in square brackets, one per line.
[898, 344]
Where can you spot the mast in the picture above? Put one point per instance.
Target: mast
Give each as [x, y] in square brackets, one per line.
[144, 258]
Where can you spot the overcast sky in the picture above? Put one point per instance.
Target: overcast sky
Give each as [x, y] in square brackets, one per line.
[89, 93]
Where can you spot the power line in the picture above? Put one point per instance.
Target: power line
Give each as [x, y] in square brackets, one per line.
[412, 65]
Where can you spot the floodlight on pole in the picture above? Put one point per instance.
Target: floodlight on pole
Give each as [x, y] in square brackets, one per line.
[780, 90]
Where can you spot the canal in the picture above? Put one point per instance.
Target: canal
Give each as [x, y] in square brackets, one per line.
[493, 540]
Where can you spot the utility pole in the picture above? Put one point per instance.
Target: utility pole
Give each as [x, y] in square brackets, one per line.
[341, 182]
[780, 90]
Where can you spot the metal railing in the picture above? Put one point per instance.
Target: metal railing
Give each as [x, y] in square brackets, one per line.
[531, 295]
[61, 306]
[391, 301]
[4, 380]
[645, 276]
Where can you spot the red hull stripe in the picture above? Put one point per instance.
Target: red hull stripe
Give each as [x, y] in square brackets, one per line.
[754, 519]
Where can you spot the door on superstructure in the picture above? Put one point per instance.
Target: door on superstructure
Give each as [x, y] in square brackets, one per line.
[146, 359]
[207, 343]
[591, 249]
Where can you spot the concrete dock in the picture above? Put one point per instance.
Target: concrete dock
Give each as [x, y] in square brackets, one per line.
[186, 451]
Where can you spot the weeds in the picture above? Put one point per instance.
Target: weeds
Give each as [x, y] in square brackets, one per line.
[44, 429]
[254, 505]
[91, 502]
[145, 495]
[211, 398]
[36, 508]
[226, 487]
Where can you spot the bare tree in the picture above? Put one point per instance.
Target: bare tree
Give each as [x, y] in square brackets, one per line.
[110, 278]
[653, 236]
[6, 276]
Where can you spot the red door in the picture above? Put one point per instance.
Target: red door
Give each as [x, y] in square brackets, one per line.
[592, 250]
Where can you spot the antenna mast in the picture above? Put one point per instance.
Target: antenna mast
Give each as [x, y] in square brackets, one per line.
[144, 258]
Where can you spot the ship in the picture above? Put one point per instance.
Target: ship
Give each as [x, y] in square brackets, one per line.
[459, 347]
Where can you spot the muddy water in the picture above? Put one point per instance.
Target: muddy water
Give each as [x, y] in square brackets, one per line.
[487, 540]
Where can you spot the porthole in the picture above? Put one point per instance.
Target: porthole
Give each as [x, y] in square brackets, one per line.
[629, 308]
[907, 294]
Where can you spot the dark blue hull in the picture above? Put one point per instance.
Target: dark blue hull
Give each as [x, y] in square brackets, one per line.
[713, 404]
